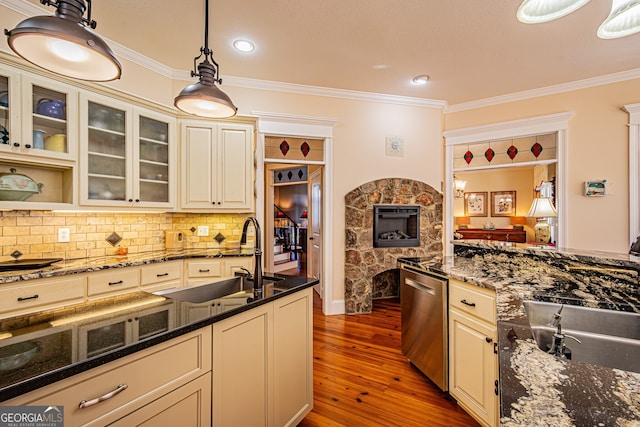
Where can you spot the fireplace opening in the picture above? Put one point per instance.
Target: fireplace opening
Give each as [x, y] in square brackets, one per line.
[396, 226]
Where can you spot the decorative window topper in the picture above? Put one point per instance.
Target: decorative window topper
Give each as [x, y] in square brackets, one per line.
[512, 152]
[305, 148]
[489, 154]
[284, 147]
[468, 156]
[536, 149]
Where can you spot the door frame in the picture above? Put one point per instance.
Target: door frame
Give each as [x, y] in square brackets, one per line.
[288, 125]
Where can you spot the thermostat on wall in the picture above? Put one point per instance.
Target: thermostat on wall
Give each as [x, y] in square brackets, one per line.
[394, 146]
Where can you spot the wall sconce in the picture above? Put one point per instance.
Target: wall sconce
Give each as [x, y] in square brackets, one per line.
[542, 208]
[458, 186]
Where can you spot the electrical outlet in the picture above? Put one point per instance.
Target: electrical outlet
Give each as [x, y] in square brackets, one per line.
[64, 235]
[203, 230]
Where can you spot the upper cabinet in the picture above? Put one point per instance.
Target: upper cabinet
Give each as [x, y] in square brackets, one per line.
[217, 167]
[38, 118]
[128, 155]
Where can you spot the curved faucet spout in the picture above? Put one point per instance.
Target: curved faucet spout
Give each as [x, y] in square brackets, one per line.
[257, 275]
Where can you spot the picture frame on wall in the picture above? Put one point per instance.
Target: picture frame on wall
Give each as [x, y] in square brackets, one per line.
[503, 203]
[475, 203]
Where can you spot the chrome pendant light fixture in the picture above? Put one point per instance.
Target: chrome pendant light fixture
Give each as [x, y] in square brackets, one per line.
[204, 98]
[65, 44]
[623, 20]
[537, 11]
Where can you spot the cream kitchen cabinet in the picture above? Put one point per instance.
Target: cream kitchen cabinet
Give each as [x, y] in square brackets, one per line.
[233, 265]
[128, 156]
[109, 393]
[217, 167]
[113, 282]
[473, 359]
[264, 356]
[163, 275]
[203, 271]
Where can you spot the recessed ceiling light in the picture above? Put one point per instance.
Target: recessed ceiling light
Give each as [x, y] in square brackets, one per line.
[422, 79]
[244, 45]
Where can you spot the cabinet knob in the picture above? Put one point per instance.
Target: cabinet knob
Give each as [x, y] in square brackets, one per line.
[137, 200]
[16, 144]
[27, 145]
[488, 340]
[130, 200]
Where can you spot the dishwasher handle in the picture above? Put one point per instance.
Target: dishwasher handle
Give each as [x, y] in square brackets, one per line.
[419, 286]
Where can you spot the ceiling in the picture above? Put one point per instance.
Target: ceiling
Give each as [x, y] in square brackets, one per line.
[471, 49]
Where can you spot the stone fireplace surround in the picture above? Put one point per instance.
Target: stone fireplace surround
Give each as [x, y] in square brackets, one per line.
[373, 271]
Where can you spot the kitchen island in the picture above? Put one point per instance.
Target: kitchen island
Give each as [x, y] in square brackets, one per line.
[537, 388]
[73, 342]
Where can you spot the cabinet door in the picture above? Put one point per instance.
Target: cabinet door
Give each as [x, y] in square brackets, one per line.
[155, 162]
[473, 366]
[10, 101]
[197, 166]
[49, 119]
[234, 167]
[293, 358]
[40, 294]
[189, 405]
[240, 369]
[106, 171]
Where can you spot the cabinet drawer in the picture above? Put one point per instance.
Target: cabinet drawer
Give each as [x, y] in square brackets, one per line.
[147, 375]
[204, 268]
[480, 302]
[41, 294]
[161, 272]
[113, 282]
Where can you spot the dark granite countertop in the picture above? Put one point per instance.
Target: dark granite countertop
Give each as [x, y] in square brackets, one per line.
[537, 388]
[84, 265]
[57, 334]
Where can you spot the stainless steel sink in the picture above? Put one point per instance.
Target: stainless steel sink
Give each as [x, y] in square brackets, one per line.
[223, 288]
[607, 337]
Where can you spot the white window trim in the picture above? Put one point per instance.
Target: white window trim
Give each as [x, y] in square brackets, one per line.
[634, 171]
[558, 122]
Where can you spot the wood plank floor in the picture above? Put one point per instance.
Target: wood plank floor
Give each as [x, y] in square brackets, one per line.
[361, 377]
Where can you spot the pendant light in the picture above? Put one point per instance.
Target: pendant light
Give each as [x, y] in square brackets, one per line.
[63, 43]
[204, 98]
[537, 11]
[623, 20]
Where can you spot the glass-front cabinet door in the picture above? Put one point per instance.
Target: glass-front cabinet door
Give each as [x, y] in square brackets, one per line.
[127, 155]
[9, 113]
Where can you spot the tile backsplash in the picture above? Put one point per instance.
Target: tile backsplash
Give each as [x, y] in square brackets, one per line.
[35, 233]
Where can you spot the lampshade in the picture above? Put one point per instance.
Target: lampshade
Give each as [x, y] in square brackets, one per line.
[542, 208]
[538, 11]
[518, 220]
[280, 214]
[64, 45]
[204, 98]
[463, 220]
[623, 20]
[304, 214]
[458, 186]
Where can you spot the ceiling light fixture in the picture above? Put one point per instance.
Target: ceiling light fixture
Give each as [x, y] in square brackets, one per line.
[63, 44]
[538, 11]
[204, 98]
[623, 20]
[422, 79]
[244, 46]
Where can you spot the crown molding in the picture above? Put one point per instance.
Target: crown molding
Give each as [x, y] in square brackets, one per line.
[549, 90]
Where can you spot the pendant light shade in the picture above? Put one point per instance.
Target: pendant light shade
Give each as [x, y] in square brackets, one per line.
[204, 98]
[623, 20]
[538, 11]
[63, 44]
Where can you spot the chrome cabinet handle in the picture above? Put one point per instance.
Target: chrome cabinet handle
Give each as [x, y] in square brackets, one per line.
[470, 304]
[119, 282]
[87, 403]
[28, 298]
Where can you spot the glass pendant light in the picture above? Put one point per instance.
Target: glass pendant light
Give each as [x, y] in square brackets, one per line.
[538, 11]
[63, 44]
[204, 98]
[623, 20]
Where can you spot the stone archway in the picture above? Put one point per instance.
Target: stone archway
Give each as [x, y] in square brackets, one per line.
[362, 260]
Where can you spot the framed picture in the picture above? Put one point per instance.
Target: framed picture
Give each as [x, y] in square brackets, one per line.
[503, 203]
[475, 204]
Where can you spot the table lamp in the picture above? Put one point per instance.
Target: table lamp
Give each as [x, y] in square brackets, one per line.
[542, 208]
[463, 221]
[518, 222]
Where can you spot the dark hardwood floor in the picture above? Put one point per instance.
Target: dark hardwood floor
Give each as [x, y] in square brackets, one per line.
[361, 377]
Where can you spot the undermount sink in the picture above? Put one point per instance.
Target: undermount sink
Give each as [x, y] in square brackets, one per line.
[607, 337]
[27, 264]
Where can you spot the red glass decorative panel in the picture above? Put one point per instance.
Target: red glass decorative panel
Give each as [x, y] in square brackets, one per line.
[468, 156]
[305, 148]
[284, 147]
[536, 149]
[512, 152]
[489, 154]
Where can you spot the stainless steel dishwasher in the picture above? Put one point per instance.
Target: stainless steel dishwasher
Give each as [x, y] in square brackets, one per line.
[423, 299]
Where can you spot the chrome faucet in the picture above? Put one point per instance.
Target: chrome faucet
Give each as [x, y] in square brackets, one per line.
[558, 347]
[257, 275]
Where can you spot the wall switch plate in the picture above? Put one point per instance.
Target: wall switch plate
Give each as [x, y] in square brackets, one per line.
[64, 235]
[203, 230]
